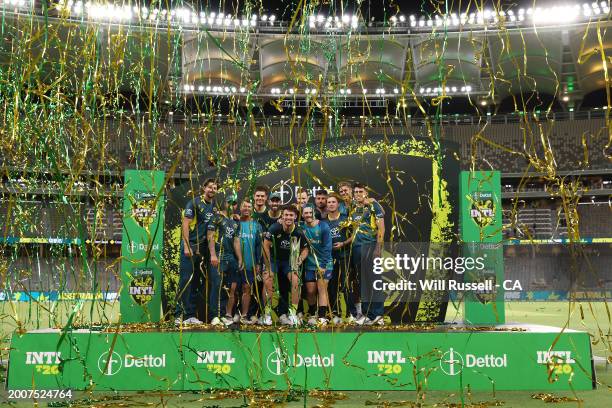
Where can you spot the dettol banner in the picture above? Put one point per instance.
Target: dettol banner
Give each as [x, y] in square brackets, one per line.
[507, 360]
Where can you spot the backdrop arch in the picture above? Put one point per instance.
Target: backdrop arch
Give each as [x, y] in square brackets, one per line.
[415, 179]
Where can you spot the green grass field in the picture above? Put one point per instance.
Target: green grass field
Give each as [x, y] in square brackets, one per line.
[593, 318]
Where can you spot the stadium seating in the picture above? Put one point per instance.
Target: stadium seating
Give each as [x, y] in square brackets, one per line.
[504, 143]
[575, 144]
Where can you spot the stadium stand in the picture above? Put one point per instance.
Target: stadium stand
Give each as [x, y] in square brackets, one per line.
[547, 267]
[576, 143]
[595, 220]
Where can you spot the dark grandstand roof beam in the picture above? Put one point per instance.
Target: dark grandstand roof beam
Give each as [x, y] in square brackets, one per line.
[492, 67]
[403, 70]
[414, 66]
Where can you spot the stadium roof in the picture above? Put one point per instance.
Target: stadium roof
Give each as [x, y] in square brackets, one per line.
[488, 55]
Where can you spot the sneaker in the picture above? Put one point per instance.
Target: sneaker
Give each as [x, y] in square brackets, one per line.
[192, 320]
[353, 320]
[265, 320]
[236, 318]
[178, 321]
[377, 321]
[323, 321]
[312, 321]
[216, 322]
[294, 321]
[227, 320]
[337, 320]
[284, 320]
[360, 321]
[254, 320]
[246, 322]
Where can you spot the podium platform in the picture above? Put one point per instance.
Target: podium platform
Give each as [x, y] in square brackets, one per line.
[433, 357]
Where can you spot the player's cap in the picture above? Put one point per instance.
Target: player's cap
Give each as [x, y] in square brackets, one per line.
[275, 196]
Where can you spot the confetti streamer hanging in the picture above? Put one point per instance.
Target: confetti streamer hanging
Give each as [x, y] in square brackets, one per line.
[301, 95]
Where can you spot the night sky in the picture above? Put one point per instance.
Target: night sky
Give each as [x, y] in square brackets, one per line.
[378, 10]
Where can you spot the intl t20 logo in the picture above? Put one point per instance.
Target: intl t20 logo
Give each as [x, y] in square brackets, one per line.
[142, 286]
[387, 361]
[144, 208]
[216, 361]
[485, 296]
[558, 362]
[482, 209]
[44, 362]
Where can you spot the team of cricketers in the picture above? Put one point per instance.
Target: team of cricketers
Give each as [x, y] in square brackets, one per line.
[256, 259]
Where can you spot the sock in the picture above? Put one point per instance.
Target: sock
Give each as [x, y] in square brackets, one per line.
[312, 310]
[323, 311]
[358, 308]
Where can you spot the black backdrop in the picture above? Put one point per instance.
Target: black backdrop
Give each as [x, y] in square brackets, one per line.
[402, 183]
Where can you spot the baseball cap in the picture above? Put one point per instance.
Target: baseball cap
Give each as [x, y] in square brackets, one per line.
[275, 195]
